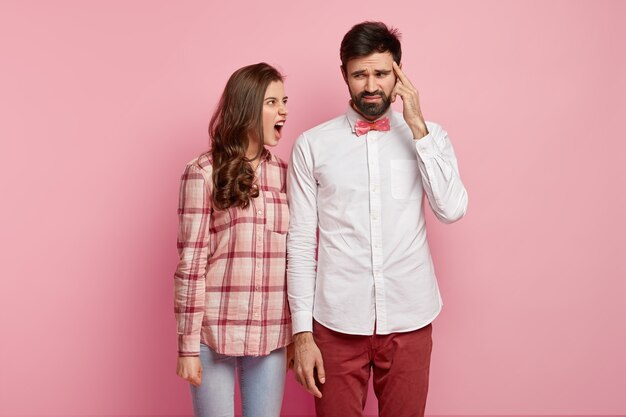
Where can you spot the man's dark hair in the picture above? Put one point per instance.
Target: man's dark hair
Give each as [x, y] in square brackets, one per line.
[368, 37]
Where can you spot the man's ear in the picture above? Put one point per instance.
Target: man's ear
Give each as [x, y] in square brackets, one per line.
[343, 74]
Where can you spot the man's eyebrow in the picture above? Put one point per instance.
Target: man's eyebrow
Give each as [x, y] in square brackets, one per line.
[377, 71]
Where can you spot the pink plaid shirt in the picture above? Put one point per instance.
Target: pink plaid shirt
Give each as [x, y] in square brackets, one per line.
[230, 287]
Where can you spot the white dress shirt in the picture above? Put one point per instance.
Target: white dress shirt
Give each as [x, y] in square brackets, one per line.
[374, 272]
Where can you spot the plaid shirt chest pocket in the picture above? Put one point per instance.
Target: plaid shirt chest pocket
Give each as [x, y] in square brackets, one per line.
[277, 212]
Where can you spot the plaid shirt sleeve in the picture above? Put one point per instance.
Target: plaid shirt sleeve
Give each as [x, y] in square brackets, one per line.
[194, 213]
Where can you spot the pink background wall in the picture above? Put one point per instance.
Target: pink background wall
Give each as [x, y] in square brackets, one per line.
[103, 102]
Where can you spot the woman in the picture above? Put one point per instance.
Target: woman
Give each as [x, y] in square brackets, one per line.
[230, 295]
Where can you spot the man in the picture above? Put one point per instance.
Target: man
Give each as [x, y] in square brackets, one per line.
[365, 306]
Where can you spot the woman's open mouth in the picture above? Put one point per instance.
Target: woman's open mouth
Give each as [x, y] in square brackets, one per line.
[278, 127]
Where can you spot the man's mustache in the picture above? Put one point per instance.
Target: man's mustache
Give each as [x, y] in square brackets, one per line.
[375, 93]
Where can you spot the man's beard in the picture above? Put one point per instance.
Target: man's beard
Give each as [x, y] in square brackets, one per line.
[373, 110]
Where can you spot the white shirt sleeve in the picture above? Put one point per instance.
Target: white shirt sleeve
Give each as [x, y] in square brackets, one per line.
[440, 175]
[302, 237]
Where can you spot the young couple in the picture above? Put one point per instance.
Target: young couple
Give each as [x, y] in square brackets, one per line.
[360, 291]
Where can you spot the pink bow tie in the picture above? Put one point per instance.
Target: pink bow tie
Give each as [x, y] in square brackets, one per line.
[362, 127]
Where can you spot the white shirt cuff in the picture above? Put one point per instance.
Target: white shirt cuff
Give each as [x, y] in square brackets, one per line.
[302, 321]
[426, 146]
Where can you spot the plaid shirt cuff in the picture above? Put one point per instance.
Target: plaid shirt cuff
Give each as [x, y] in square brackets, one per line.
[188, 345]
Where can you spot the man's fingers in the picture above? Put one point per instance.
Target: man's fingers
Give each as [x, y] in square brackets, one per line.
[403, 91]
[394, 92]
[301, 376]
[307, 380]
[398, 71]
[312, 387]
[400, 74]
[321, 374]
[298, 378]
[410, 97]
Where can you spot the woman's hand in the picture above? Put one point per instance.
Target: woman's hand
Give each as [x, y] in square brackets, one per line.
[190, 369]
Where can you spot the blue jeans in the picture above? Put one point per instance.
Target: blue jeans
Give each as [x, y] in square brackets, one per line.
[261, 380]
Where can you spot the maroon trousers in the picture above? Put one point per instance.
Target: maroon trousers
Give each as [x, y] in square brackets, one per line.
[399, 362]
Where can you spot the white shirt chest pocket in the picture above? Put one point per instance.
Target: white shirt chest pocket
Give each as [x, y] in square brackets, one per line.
[405, 180]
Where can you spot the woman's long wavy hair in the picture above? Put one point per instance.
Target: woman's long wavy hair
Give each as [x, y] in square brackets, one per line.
[238, 116]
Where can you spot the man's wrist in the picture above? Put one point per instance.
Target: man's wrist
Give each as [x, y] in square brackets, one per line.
[419, 131]
[303, 337]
